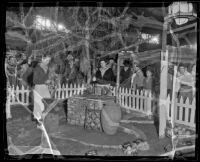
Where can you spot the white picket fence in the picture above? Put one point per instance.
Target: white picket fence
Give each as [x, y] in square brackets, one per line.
[19, 95]
[140, 101]
[143, 101]
[184, 112]
[129, 99]
[67, 91]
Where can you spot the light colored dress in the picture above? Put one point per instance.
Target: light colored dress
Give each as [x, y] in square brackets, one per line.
[40, 90]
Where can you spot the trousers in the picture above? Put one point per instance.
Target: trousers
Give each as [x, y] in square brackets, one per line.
[40, 91]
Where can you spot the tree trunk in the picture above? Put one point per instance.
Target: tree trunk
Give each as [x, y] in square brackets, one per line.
[163, 84]
[87, 37]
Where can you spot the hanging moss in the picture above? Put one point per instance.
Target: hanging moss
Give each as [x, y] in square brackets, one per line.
[84, 62]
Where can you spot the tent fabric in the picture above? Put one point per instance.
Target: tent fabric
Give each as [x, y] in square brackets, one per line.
[187, 54]
[15, 42]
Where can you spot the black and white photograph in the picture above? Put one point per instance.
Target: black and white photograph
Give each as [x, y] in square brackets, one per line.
[101, 80]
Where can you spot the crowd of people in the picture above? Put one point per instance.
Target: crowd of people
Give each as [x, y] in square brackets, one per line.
[139, 79]
[130, 77]
[21, 74]
[135, 78]
[40, 74]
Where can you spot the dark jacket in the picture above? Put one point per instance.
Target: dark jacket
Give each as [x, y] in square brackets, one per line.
[124, 75]
[39, 75]
[107, 78]
[35, 75]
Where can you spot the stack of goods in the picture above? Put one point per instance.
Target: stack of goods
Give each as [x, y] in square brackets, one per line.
[132, 148]
[102, 89]
[76, 110]
[184, 134]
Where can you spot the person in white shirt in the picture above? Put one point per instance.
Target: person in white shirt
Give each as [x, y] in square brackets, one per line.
[185, 83]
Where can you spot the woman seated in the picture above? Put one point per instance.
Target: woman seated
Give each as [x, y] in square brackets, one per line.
[105, 74]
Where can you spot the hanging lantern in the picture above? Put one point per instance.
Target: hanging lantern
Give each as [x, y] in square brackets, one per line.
[182, 12]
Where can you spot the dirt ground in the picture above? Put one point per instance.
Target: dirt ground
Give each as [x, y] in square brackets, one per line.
[74, 140]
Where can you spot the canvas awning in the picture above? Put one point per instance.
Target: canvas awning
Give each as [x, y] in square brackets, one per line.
[188, 54]
[14, 41]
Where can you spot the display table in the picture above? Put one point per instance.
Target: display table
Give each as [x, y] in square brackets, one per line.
[85, 110]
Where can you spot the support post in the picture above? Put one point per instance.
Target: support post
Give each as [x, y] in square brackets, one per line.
[87, 38]
[163, 83]
[118, 78]
[173, 97]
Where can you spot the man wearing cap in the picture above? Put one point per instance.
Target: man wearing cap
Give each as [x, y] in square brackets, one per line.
[125, 72]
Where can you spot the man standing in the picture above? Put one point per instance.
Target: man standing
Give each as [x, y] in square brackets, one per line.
[125, 72]
[185, 82]
[40, 81]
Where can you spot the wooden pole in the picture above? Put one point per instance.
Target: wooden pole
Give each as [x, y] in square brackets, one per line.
[163, 83]
[173, 98]
[118, 77]
[87, 37]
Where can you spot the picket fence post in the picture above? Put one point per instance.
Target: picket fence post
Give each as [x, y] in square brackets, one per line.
[125, 98]
[142, 100]
[193, 113]
[149, 104]
[8, 112]
[119, 96]
[129, 96]
[22, 94]
[194, 109]
[168, 107]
